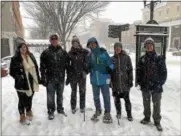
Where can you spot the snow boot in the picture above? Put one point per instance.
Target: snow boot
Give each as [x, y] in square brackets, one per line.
[51, 116]
[107, 118]
[82, 110]
[118, 115]
[62, 112]
[145, 121]
[96, 114]
[158, 126]
[74, 111]
[23, 120]
[29, 115]
[129, 116]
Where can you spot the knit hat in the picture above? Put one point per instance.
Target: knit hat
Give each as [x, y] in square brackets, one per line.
[149, 40]
[53, 36]
[75, 39]
[118, 44]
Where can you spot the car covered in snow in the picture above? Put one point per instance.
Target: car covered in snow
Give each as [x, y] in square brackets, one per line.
[176, 53]
[5, 64]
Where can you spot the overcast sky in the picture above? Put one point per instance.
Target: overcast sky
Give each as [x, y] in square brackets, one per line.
[118, 12]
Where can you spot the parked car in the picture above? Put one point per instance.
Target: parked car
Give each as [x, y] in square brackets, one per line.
[177, 53]
[5, 64]
[7, 60]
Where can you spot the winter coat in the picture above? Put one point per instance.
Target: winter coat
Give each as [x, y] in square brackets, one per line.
[122, 75]
[77, 65]
[53, 63]
[99, 62]
[151, 72]
[17, 71]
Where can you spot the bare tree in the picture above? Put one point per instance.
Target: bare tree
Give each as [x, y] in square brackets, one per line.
[62, 17]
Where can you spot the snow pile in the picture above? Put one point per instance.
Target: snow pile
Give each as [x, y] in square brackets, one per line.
[74, 124]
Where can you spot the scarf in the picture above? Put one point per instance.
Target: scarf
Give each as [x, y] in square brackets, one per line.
[30, 69]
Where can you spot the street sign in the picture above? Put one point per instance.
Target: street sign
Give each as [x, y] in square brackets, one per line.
[114, 31]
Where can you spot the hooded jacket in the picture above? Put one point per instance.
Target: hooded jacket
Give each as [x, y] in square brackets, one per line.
[77, 65]
[98, 63]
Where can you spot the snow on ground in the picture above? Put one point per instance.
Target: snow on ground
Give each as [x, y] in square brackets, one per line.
[75, 125]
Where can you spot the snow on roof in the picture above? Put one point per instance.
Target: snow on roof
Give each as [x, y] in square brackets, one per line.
[155, 25]
[160, 34]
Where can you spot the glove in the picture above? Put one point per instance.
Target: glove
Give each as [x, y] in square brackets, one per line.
[114, 94]
[109, 70]
[67, 81]
[44, 82]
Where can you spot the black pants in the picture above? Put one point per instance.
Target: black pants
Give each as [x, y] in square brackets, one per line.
[117, 102]
[156, 98]
[58, 87]
[82, 88]
[25, 102]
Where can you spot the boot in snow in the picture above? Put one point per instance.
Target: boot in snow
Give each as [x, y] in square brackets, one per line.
[62, 112]
[82, 110]
[118, 116]
[29, 115]
[95, 116]
[51, 116]
[74, 111]
[23, 120]
[158, 126]
[129, 116]
[107, 118]
[145, 121]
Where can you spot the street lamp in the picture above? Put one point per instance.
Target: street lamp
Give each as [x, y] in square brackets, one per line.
[151, 5]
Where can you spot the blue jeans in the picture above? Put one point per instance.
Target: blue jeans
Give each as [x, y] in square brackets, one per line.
[52, 88]
[106, 97]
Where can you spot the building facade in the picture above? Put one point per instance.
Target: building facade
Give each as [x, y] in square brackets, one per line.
[167, 14]
[11, 27]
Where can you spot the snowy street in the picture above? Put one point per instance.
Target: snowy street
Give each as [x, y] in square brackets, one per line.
[74, 124]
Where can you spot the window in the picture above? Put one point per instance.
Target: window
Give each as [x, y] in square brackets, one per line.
[178, 8]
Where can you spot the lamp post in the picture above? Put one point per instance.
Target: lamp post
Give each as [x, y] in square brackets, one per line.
[151, 5]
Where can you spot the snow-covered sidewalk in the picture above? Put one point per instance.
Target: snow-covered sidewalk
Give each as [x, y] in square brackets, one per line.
[74, 123]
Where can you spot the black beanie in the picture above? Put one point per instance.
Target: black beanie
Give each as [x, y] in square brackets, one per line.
[118, 44]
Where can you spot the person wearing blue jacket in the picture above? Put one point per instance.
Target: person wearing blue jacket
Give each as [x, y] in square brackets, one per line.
[100, 65]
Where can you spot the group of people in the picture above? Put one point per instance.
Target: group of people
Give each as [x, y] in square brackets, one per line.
[106, 72]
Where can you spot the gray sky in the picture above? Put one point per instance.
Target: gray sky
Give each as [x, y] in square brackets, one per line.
[124, 12]
[118, 12]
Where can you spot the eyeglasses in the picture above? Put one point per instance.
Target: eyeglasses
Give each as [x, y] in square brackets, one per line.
[54, 38]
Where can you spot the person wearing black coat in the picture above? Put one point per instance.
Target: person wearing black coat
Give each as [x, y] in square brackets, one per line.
[24, 70]
[122, 79]
[151, 76]
[54, 62]
[77, 74]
